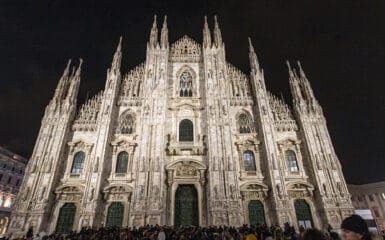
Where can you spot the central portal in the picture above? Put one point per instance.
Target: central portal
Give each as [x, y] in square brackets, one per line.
[186, 206]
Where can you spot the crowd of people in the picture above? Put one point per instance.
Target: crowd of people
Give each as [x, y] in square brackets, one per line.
[352, 228]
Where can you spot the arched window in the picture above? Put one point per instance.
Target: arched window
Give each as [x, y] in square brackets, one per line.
[303, 213]
[115, 215]
[185, 84]
[245, 124]
[186, 131]
[249, 161]
[126, 124]
[66, 218]
[256, 213]
[78, 163]
[122, 162]
[291, 161]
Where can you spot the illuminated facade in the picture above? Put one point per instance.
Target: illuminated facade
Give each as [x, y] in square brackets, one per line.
[183, 138]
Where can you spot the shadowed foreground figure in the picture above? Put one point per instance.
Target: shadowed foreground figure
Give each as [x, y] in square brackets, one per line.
[355, 228]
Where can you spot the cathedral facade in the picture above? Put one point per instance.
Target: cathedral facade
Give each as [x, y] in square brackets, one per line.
[183, 138]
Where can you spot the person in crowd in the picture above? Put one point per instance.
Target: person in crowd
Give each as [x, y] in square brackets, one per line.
[355, 228]
[161, 234]
[155, 232]
[29, 234]
[313, 234]
[250, 235]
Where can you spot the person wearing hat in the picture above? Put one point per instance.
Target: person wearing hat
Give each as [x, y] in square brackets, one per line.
[355, 228]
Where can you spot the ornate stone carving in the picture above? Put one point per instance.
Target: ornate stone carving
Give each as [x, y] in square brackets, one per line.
[283, 117]
[87, 117]
[117, 192]
[185, 170]
[185, 50]
[300, 189]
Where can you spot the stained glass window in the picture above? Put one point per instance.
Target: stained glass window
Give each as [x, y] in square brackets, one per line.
[126, 124]
[186, 131]
[291, 161]
[122, 162]
[78, 163]
[185, 84]
[249, 161]
[245, 124]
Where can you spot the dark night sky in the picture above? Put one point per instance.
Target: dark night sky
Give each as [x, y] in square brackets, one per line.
[340, 44]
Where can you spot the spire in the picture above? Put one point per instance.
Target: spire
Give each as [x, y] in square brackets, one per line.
[254, 63]
[301, 72]
[164, 34]
[61, 87]
[295, 86]
[206, 34]
[74, 83]
[217, 33]
[308, 91]
[291, 74]
[78, 71]
[117, 56]
[154, 34]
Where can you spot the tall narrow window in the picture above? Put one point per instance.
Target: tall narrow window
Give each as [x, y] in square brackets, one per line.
[186, 131]
[66, 218]
[115, 214]
[126, 124]
[249, 161]
[122, 162]
[291, 161]
[78, 163]
[245, 124]
[185, 84]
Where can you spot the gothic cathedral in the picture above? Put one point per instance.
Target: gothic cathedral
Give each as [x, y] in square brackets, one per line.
[183, 138]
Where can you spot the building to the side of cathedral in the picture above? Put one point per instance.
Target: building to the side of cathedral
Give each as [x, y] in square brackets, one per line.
[183, 138]
[370, 196]
[12, 168]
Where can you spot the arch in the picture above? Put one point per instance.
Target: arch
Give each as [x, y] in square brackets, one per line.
[256, 212]
[249, 161]
[78, 162]
[244, 122]
[126, 123]
[122, 162]
[291, 161]
[66, 218]
[115, 214]
[303, 213]
[186, 131]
